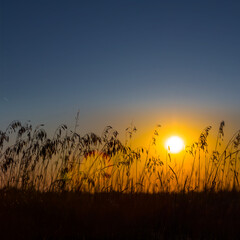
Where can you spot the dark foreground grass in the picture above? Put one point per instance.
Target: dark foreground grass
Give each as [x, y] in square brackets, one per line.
[35, 215]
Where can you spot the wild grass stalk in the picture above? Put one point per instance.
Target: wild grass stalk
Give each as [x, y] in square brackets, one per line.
[29, 159]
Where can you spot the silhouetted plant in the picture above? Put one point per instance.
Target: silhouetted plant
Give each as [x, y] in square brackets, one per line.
[29, 159]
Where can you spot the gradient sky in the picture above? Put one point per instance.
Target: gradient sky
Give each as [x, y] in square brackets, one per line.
[170, 62]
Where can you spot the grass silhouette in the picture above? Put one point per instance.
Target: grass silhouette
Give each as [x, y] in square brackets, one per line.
[97, 187]
[92, 163]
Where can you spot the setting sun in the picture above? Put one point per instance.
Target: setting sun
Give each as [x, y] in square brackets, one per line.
[174, 144]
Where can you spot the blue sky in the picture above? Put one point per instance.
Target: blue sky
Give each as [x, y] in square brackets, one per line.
[119, 61]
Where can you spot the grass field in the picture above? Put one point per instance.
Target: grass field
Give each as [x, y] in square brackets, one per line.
[96, 187]
[66, 215]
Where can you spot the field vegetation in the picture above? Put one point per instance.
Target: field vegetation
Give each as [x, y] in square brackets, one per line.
[29, 160]
[90, 186]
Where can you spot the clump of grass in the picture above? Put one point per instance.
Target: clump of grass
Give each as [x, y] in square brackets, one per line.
[30, 160]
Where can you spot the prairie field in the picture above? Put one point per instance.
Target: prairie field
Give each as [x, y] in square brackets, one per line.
[75, 215]
[97, 187]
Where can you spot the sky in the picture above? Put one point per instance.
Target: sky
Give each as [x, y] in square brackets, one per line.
[174, 63]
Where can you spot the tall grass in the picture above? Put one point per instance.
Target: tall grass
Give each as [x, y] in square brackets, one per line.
[68, 161]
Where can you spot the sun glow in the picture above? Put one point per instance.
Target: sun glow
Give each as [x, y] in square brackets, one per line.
[174, 144]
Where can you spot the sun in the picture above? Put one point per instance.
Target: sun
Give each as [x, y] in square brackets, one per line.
[174, 144]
